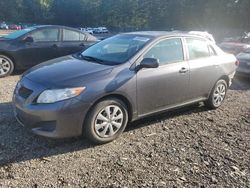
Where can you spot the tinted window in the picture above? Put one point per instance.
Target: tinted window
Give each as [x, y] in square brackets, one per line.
[167, 51]
[69, 35]
[197, 48]
[45, 35]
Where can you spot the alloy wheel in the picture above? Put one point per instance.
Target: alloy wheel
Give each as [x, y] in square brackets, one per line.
[5, 66]
[219, 94]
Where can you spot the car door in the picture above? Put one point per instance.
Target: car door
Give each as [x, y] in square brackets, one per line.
[43, 47]
[72, 42]
[167, 85]
[203, 67]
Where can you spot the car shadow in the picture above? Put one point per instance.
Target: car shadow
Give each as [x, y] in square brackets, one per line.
[18, 144]
[163, 116]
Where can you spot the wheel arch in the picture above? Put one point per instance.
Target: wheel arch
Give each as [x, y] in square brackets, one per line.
[9, 56]
[226, 78]
[121, 97]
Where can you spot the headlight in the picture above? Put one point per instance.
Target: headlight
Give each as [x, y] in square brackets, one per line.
[55, 95]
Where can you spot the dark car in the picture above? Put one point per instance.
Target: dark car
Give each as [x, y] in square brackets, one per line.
[121, 79]
[14, 27]
[236, 46]
[28, 47]
[244, 63]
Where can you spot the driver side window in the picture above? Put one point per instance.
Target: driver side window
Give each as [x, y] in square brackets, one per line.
[167, 51]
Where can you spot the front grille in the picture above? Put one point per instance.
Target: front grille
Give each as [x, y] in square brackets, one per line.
[24, 92]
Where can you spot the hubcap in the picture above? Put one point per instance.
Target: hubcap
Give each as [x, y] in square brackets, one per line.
[109, 121]
[4, 66]
[219, 94]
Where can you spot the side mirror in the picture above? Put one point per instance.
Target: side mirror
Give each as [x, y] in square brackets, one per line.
[28, 39]
[148, 63]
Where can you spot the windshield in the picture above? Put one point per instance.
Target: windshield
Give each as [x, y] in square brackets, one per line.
[116, 50]
[16, 34]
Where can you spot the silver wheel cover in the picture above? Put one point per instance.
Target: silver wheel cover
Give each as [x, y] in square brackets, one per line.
[109, 121]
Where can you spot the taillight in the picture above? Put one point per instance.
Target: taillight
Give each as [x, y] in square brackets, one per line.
[237, 63]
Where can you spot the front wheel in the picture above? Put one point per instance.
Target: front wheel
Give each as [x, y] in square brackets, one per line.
[6, 66]
[217, 95]
[106, 121]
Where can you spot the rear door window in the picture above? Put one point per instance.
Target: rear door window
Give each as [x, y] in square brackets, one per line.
[197, 48]
[69, 35]
[167, 51]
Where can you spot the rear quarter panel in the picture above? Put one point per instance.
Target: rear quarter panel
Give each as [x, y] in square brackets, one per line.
[226, 65]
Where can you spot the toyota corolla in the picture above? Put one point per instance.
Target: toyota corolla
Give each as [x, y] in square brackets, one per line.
[119, 80]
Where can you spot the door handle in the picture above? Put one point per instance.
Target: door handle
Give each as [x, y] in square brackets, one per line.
[183, 70]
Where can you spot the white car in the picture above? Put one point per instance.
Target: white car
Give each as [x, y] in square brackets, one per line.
[88, 30]
[4, 26]
[101, 30]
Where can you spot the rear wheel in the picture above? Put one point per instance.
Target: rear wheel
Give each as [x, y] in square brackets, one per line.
[6, 66]
[217, 95]
[106, 121]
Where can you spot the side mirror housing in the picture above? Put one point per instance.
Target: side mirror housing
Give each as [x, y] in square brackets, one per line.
[148, 63]
[28, 39]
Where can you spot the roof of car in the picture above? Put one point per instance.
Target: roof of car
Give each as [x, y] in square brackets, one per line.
[41, 26]
[156, 34]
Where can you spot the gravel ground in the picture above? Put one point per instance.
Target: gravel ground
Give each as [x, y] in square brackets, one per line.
[192, 147]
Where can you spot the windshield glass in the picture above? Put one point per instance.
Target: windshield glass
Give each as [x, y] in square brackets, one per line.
[19, 33]
[116, 50]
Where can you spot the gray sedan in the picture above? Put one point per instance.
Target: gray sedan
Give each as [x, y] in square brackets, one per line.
[119, 80]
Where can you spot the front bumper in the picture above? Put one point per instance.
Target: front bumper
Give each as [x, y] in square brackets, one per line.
[58, 120]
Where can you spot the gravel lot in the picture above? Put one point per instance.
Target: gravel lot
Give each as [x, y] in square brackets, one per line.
[192, 147]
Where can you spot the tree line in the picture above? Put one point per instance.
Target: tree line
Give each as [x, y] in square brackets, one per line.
[130, 14]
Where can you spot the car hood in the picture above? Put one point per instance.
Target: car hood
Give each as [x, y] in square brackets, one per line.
[66, 72]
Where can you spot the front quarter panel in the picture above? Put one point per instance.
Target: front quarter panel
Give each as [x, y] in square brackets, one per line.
[121, 81]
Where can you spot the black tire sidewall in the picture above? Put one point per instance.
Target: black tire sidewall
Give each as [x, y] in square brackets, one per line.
[11, 66]
[210, 102]
[89, 129]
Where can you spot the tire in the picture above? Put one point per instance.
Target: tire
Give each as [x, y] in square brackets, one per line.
[6, 66]
[101, 128]
[217, 95]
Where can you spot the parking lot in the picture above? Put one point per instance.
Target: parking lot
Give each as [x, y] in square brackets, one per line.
[192, 147]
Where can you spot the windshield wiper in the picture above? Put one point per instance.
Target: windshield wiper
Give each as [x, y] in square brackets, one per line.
[90, 58]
